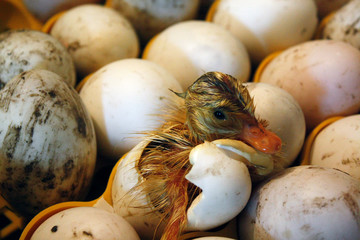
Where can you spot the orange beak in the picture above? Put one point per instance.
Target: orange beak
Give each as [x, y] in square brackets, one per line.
[261, 139]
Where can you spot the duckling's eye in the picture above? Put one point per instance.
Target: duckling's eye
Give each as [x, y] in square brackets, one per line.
[219, 115]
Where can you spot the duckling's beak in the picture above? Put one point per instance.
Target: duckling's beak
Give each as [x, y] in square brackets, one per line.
[260, 138]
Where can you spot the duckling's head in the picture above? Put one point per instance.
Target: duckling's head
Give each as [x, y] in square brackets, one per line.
[220, 106]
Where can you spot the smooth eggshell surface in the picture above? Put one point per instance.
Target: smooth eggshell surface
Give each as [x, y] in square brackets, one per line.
[85, 223]
[191, 48]
[266, 26]
[95, 41]
[303, 202]
[322, 75]
[337, 146]
[123, 98]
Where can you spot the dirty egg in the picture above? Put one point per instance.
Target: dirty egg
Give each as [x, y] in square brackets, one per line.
[22, 50]
[191, 48]
[151, 17]
[337, 146]
[123, 99]
[303, 202]
[284, 117]
[47, 142]
[322, 75]
[95, 41]
[85, 223]
[218, 170]
[344, 24]
[266, 26]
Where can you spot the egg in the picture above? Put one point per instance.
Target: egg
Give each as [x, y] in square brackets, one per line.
[92, 41]
[85, 223]
[213, 238]
[284, 117]
[220, 171]
[336, 146]
[266, 26]
[150, 17]
[22, 50]
[326, 7]
[43, 9]
[322, 75]
[48, 144]
[344, 24]
[123, 98]
[191, 48]
[304, 202]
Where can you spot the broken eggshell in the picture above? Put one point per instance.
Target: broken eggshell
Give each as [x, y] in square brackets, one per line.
[48, 147]
[22, 50]
[219, 170]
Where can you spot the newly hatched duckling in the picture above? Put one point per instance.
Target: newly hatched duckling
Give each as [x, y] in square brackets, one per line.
[217, 106]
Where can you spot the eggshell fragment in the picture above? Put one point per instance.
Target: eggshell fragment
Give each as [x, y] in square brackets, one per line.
[191, 48]
[85, 223]
[123, 98]
[322, 75]
[284, 117]
[95, 41]
[337, 146]
[22, 50]
[47, 142]
[344, 24]
[151, 17]
[266, 26]
[303, 202]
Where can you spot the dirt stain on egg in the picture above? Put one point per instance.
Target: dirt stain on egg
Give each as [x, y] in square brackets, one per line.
[11, 139]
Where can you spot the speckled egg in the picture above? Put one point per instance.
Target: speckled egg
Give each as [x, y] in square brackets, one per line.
[150, 17]
[85, 223]
[344, 25]
[48, 144]
[266, 26]
[95, 36]
[304, 202]
[337, 146]
[322, 75]
[22, 50]
[191, 48]
[123, 99]
[284, 117]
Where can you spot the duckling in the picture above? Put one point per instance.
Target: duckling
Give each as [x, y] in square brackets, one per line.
[216, 106]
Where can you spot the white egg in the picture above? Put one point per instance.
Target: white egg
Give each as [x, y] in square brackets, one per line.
[191, 48]
[95, 41]
[22, 50]
[284, 116]
[344, 24]
[322, 75]
[266, 26]
[150, 17]
[337, 146]
[123, 98]
[44, 9]
[304, 202]
[85, 223]
[48, 144]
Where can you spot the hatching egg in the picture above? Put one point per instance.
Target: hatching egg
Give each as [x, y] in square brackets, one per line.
[150, 17]
[326, 7]
[304, 202]
[266, 26]
[322, 75]
[85, 223]
[95, 36]
[48, 144]
[123, 98]
[44, 9]
[284, 117]
[191, 48]
[337, 146]
[344, 24]
[22, 50]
